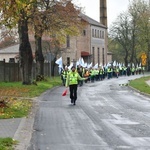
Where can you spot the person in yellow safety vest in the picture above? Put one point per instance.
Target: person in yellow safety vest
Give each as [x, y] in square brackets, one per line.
[97, 74]
[80, 71]
[92, 74]
[120, 71]
[72, 82]
[101, 71]
[124, 70]
[117, 71]
[136, 70]
[65, 73]
[109, 72]
[142, 69]
[104, 72]
[133, 70]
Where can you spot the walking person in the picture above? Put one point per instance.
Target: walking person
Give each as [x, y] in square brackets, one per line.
[72, 82]
[80, 72]
[65, 72]
[128, 71]
[109, 72]
[117, 71]
[101, 71]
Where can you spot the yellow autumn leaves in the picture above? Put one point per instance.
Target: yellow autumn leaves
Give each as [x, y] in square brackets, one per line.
[13, 104]
[15, 108]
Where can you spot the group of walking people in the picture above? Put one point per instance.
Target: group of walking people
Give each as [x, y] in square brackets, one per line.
[78, 75]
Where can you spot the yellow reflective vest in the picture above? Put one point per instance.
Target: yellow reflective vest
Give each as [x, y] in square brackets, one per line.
[72, 78]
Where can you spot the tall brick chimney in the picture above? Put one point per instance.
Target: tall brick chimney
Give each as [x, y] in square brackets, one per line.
[103, 12]
[103, 21]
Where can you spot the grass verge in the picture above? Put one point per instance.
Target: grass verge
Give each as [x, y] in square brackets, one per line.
[16, 89]
[15, 101]
[141, 85]
[15, 98]
[7, 143]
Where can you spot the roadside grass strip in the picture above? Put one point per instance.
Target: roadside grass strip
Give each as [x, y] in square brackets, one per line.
[7, 143]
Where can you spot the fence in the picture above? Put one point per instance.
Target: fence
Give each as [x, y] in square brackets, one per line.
[10, 72]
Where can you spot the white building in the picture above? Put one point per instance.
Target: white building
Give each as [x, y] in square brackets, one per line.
[9, 53]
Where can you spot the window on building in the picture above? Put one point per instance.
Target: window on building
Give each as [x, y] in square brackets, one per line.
[92, 32]
[84, 32]
[68, 41]
[93, 52]
[95, 33]
[100, 34]
[68, 61]
[103, 56]
[103, 34]
[98, 55]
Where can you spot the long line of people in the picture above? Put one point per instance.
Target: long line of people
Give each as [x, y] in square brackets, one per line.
[99, 74]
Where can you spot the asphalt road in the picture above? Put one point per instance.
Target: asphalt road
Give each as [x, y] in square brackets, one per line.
[107, 116]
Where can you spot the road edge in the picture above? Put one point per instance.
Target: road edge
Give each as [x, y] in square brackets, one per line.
[25, 129]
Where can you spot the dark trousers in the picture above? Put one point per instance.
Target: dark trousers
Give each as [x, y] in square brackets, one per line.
[73, 92]
[64, 82]
[101, 77]
[92, 78]
[109, 75]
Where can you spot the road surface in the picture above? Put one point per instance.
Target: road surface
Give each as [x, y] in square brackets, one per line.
[107, 116]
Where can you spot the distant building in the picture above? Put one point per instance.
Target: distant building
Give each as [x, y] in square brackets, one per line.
[90, 45]
[10, 54]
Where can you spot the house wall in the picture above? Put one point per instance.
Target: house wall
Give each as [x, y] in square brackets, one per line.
[9, 52]
[83, 41]
[70, 52]
[87, 43]
[7, 56]
[109, 57]
[77, 45]
[98, 43]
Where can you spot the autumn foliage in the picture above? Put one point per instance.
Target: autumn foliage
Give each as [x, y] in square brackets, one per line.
[12, 102]
[53, 18]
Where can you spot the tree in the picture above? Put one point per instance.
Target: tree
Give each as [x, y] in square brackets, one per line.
[17, 13]
[142, 9]
[56, 19]
[47, 16]
[116, 50]
[8, 37]
[25, 51]
[134, 38]
[120, 32]
[132, 31]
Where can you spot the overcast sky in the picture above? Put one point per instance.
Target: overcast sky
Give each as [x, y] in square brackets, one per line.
[114, 8]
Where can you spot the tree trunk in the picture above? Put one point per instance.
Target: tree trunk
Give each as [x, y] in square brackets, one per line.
[25, 51]
[39, 56]
[53, 67]
[126, 58]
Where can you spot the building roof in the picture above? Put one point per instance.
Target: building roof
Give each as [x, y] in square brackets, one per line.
[91, 21]
[10, 50]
